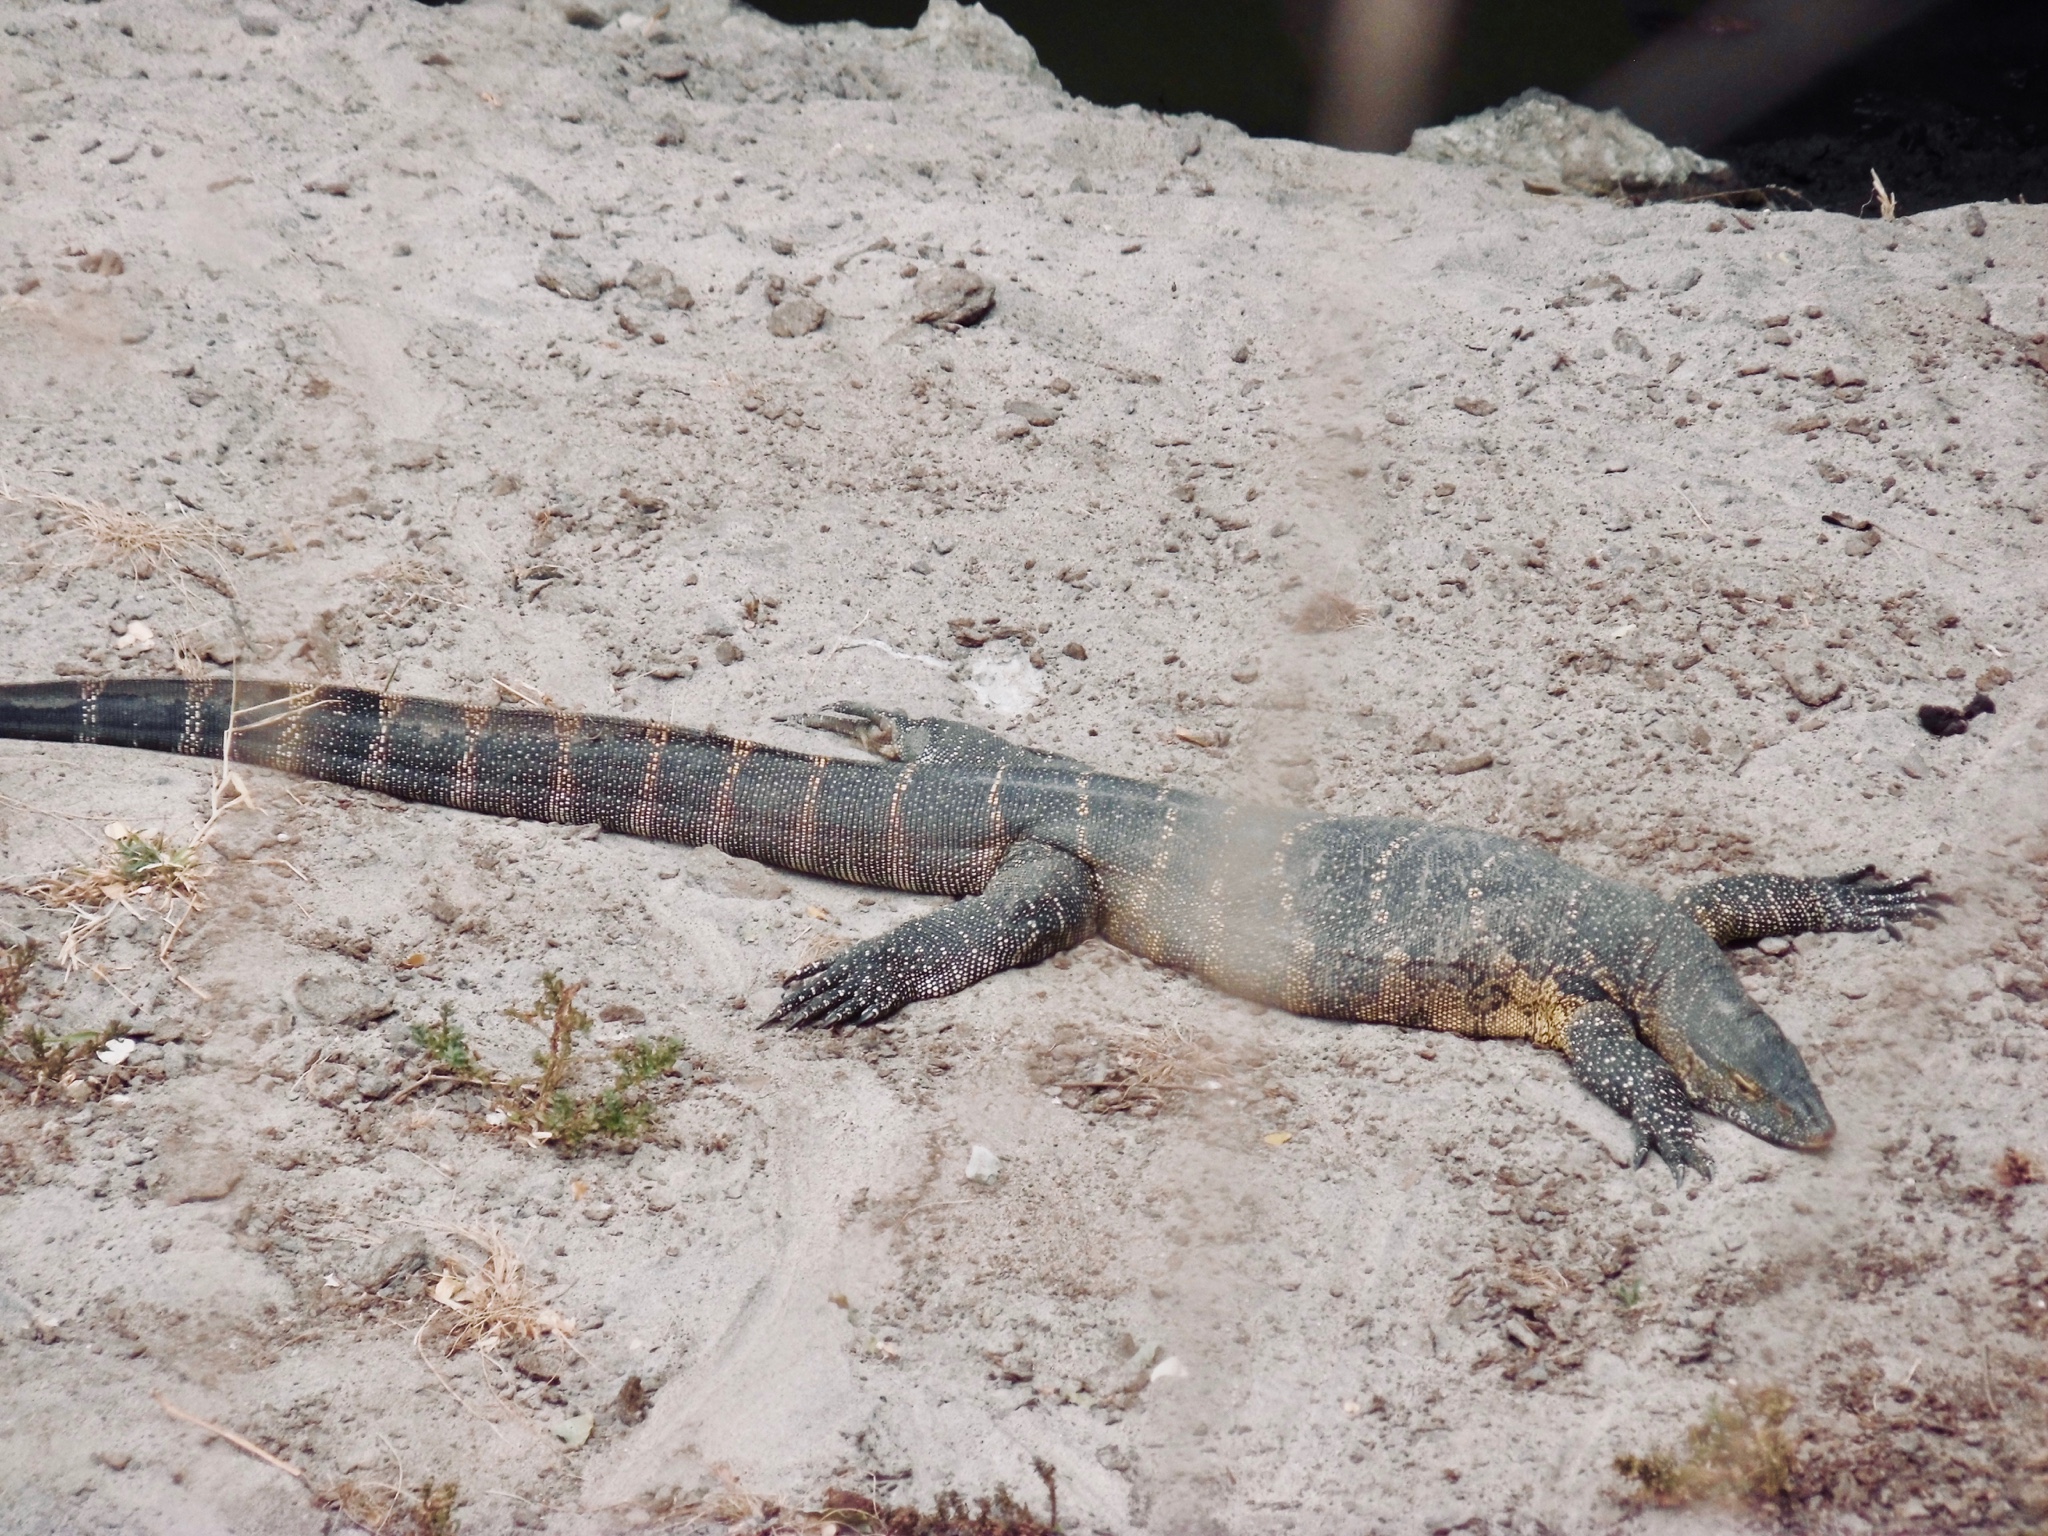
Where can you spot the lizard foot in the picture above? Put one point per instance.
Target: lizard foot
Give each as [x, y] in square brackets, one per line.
[1675, 1138]
[1039, 902]
[1744, 908]
[1635, 1082]
[857, 986]
[1862, 900]
[879, 731]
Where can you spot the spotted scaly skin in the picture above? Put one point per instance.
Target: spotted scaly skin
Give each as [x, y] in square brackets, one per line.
[1374, 920]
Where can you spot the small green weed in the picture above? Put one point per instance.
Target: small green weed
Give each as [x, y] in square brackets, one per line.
[446, 1043]
[1628, 1294]
[34, 1064]
[547, 1108]
[146, 874]
[1739, 1452]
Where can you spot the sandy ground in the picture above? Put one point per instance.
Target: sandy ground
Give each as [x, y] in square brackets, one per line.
[1295, 474]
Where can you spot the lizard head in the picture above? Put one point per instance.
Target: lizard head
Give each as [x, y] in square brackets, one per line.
[1743, 1069]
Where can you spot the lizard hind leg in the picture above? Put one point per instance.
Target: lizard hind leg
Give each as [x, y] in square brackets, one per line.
[1623, 1073]
[880, 731]
[937, 743]
[1039, 902]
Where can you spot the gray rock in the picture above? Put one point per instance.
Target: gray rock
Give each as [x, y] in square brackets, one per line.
[1550, 139]
[668, 62]
[332, 1082]
[1688, 1345]
[340, 999]
[242, 835]
[568, 274]
[796, 316]
[1811, 680]
[657, 285]
[951, 296]
[189, 1173]
[258, 19]
[1036, 412]
[591, 15]
[399, 1255]
[411, 453]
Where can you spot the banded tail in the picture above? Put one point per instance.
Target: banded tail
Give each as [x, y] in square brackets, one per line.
[814, 815]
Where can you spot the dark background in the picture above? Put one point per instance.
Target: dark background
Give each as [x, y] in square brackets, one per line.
[1953, 108]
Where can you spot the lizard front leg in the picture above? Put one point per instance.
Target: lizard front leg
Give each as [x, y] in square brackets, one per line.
[1745, 908]
[1628, 1077]
[1040, 902]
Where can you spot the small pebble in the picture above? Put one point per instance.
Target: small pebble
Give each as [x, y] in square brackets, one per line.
[570, 276]
[574, 1431]
[950, 296]
[797, 316]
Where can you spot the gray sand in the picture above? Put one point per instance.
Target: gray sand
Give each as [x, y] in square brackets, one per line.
[1348, 474]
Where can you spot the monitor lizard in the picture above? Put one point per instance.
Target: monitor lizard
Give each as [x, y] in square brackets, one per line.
[1367, 919]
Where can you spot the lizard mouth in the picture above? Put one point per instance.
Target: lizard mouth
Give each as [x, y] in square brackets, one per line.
[1817, 1138]
[1802, 1124]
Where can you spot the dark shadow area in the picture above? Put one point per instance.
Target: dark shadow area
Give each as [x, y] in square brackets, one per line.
[1952, 108]
[1233, 59]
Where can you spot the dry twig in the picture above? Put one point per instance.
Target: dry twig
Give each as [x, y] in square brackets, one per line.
[239, 1442]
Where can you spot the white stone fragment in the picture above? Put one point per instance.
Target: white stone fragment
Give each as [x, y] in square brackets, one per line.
[983, 1166]
[1549, 139]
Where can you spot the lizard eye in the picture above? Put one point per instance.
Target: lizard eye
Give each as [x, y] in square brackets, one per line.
[1747, 1087]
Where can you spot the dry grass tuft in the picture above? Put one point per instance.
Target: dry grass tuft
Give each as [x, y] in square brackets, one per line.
[1325, 613]
[849, 1512]
[15, 963]
[34, 1065]
[1739, 1453]
[950, 1514]
[1135, 1074]
[144, 873]
[2014, 1168]
[384, 1509]
[404, 589]
[486, 1300]
[181, 542]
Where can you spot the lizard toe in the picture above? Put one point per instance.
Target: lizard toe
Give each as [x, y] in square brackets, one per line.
[1862, 900]
[857, 986]
[845, 1011]
[1676, 1140]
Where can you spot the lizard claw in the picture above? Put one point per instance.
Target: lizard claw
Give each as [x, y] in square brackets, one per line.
[1635, 1082]
[856, 986]
[1678, 1146]
[1862, 899]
